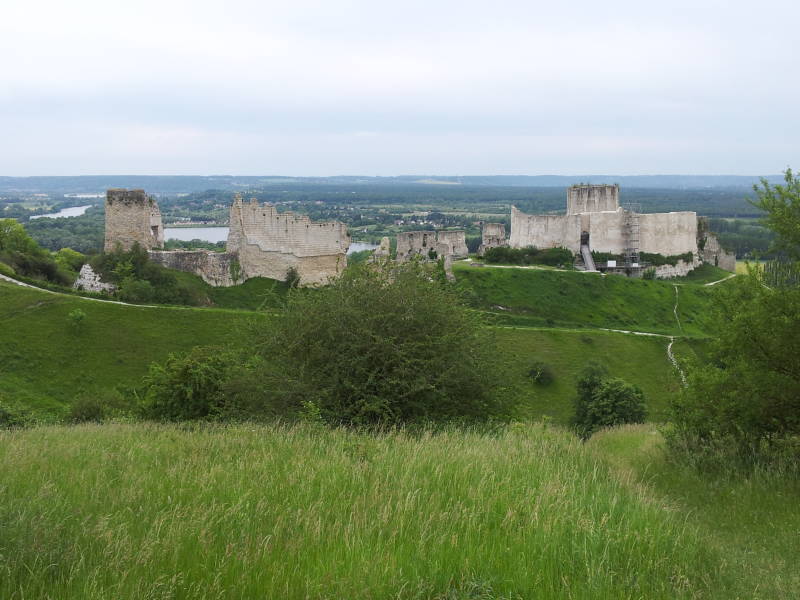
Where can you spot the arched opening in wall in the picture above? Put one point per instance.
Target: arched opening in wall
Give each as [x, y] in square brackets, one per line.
[154, 230]
[584, 238]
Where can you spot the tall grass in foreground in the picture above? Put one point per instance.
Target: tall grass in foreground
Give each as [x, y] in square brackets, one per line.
[146, 511]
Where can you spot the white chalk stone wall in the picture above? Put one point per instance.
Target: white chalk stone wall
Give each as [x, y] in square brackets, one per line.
[592, 198]
[89, 281]
[714, 254]
[545, 231]
[131, 217]
[668, 233]
[216, 268]
[269, 243]
[420, 243]
[680, 269]
[659, 233]
[493, 235]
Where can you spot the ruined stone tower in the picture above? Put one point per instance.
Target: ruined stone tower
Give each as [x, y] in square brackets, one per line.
[592, 198]
[132, 216]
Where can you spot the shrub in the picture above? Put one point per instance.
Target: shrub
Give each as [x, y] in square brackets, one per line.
[603, 401]
[187, 386]
[86, 409]
[541, 373]
[383, 344]
[529, 256]
[12, 416]
[76, 318]
[292, 277]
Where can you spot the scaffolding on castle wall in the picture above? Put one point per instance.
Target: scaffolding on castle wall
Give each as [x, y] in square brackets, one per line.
[631, 235]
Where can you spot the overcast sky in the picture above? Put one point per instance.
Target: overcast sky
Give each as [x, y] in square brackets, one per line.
[403, 87]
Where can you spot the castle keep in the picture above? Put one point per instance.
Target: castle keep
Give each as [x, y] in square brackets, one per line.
[261, 242]
[595, 221]
[595, 216]
[131, 217]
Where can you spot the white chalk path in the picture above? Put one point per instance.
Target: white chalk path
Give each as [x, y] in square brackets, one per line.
[670, 355]
[79, 297]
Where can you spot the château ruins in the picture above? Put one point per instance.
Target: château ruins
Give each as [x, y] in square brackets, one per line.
[261, 241]
[265, 243]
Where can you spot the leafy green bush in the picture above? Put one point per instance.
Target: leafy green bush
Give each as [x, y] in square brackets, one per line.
[76, 319]
[69, 260]
[12, 416]
[555, 257]
[186, 387]
[86, 409]
[381, 345]
[142, 281]
[541, 373]
[6, 270]
[604, 401]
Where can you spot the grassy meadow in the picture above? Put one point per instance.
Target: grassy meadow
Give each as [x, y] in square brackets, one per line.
[148, 511]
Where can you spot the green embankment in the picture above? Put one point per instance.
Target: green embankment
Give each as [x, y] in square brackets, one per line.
[45, 362]
[144, 511]
[574, 299]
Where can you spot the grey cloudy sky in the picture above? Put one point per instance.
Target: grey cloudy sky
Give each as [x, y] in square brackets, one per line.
[387, 88]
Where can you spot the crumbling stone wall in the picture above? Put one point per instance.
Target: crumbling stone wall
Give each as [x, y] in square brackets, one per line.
[131, 217]
[421, 243]
[216, 268]
[383, 251]
[493, 235]
[710, 249]
[261, 242]
[269, 243]
[89, 281]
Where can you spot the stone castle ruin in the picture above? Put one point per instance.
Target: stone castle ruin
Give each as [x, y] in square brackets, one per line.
[431, 245]
[132, 216]
[493, 235]
[595, 221]
[261, 242]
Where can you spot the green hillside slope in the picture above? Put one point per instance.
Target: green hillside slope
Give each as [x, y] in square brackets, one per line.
[45, 361]
[572, 298]
[641, 360]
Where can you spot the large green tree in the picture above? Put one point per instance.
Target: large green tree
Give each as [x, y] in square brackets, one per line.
[781, 206]
[746, 399]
